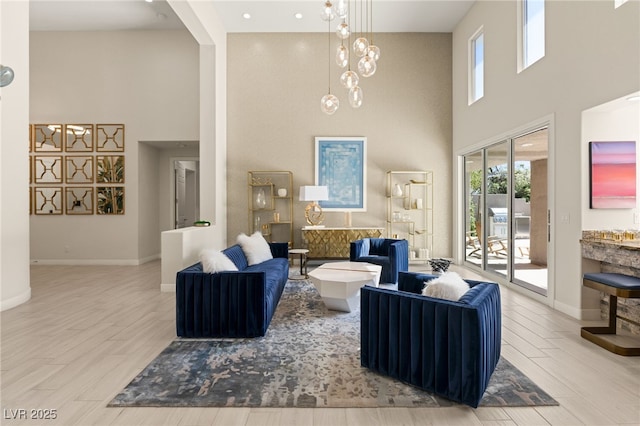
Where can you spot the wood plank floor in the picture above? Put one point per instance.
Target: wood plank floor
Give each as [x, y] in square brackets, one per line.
[88, 330]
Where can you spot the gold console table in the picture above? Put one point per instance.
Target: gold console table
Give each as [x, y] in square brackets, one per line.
[334, 243]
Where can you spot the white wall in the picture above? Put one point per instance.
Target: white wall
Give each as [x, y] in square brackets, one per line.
[591, 57]
[14, 154]
[148, 80]
[276, 82]
[205, 25]
[150, 209]
[614, 121]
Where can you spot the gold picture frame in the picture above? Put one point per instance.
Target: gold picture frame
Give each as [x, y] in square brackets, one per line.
[110, 200]
[110, 169]
[47, 137]
[78, 200]
[78, 169]
[79, 138]
[48, 200]
[48, 169]
[109, 137]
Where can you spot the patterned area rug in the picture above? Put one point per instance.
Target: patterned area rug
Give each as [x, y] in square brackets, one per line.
[310, 357]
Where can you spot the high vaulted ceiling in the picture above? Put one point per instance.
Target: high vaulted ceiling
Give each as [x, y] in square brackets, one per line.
[266, 15]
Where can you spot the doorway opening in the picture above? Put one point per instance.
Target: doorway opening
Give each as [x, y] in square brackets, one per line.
[187, 192]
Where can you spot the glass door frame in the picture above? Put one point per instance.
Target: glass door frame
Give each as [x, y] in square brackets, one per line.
[462, 200]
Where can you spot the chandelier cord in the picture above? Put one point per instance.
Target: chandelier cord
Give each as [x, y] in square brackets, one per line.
[350, 32]
[329, 50]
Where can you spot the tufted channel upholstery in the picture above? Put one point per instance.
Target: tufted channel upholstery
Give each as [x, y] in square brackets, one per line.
[450, 348]
[234, 303]
[391, 254]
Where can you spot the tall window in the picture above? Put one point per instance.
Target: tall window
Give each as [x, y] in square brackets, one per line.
[532, 31]
[476, 66]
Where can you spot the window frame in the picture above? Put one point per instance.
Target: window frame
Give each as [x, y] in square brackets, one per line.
[524, 36]
[474, 79]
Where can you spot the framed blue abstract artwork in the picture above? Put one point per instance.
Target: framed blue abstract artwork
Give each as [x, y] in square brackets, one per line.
[341, 166]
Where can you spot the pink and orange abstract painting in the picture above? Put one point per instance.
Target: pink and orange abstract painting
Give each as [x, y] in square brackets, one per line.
[613, 175]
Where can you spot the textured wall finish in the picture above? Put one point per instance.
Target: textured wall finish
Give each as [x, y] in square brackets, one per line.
[275, 83]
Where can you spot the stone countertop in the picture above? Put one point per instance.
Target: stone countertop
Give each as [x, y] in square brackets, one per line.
[594, 238]
[625, 245]
[623, 253]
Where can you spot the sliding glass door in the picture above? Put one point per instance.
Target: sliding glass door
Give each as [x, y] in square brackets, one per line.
[506, 209]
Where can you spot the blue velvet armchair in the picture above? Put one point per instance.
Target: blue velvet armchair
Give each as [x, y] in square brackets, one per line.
[392, 255]
[447, 348]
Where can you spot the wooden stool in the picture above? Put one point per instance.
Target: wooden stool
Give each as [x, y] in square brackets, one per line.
[615, 285]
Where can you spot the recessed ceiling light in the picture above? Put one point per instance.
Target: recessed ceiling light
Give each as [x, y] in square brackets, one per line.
[149, 1]
[246, 15]
[298, 15]
[633, 98]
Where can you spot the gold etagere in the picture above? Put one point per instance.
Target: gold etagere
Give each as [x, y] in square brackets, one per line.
[271, 205]
[410, 211]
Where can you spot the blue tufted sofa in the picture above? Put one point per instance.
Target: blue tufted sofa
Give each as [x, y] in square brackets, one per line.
[448, 348]
[231, 304]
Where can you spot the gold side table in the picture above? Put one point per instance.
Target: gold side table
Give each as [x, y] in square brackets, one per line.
[303, 263]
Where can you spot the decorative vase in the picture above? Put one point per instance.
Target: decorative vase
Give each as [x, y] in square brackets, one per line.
[261, 200]
[282, 192]
[397, 190]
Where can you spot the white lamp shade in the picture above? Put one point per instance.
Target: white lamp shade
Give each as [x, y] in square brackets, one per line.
[314, 193]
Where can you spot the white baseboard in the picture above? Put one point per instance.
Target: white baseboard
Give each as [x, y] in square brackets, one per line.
[96, 262]
[16, 300]
[572, 311]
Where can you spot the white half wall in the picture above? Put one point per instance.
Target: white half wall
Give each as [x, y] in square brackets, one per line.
[15, 287]
[181, 248]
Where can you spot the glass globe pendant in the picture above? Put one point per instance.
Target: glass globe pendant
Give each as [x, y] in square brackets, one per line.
[327, 13]
[329, 104]
[367, 66]
[360, 46]
[343, 32]
[349, 79]
[342, 56]
[373, 52]
[355, 96]
[341, 9]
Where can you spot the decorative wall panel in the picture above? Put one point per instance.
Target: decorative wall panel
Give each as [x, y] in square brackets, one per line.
[80, 172]
[109, 137]
[47, 137]
[110, 199]
[79, 169]
[47, 169]
[110, 169]
[48, 200]
[79, 138]
[79, 200]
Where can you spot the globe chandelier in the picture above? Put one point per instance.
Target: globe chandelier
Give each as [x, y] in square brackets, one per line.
[362, 47]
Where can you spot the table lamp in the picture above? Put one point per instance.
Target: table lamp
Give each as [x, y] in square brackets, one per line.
[313, 211]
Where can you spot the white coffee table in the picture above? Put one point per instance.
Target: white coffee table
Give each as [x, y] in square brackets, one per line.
[339, 283]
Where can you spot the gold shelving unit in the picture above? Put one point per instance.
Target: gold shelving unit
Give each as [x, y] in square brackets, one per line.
[271, 205]
[410, 211]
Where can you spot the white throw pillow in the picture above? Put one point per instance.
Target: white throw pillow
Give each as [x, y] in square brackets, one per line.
[216, 261]
[255, 247]
[448, 286]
